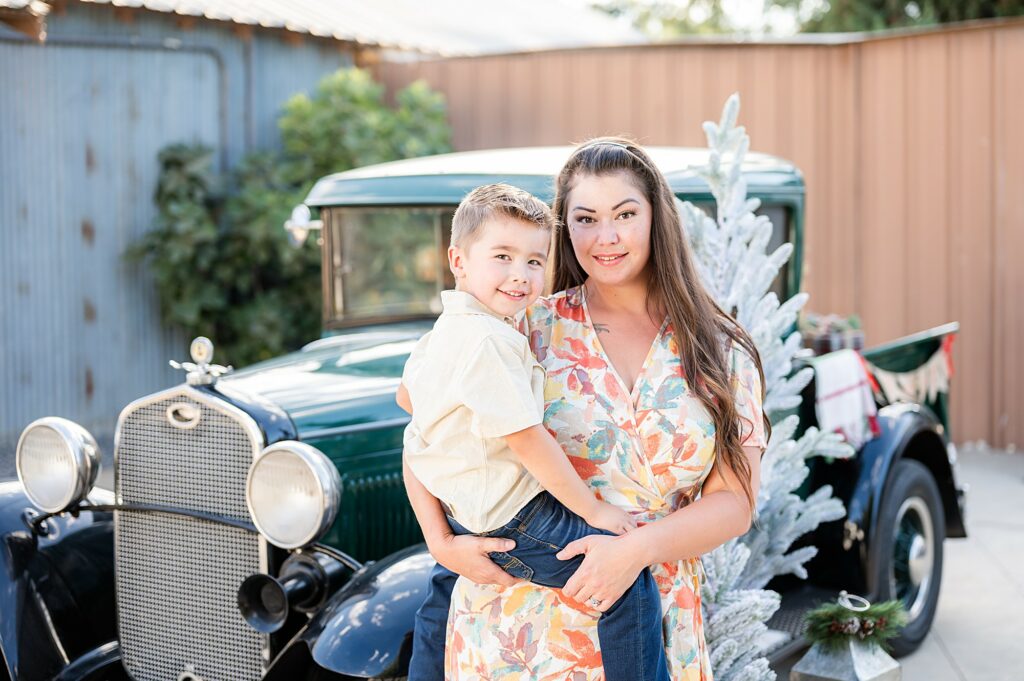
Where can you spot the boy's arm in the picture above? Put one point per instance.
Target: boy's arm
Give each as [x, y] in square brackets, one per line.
[542, 456]
[403, 399]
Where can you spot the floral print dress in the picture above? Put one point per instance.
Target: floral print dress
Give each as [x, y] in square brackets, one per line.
[648, 451]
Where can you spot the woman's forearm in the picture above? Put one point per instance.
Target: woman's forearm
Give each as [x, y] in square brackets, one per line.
[426, 507]
[465, 555]
[695, 529]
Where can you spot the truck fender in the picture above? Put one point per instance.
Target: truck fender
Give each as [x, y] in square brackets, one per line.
[907, 430]
[56, 590]
[365, 629]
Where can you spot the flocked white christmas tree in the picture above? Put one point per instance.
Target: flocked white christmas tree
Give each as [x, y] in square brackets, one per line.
[731, 253]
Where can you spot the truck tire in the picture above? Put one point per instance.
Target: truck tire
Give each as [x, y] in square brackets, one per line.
[911, 529]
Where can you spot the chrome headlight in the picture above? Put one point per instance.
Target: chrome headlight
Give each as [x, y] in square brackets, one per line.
[57, 462]
[293, 491]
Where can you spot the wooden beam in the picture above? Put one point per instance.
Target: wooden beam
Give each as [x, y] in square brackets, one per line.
[125, 15]
[364, 56]
[32, 26]
[243, 32]
[292, 38]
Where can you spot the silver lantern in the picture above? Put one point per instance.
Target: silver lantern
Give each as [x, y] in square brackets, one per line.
[854, 661]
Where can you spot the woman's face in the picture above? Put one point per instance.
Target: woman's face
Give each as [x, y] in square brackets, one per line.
[609, 220]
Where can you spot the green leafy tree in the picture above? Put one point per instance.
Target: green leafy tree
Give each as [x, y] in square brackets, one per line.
[872, 15]
[218, 255]
[665, 19]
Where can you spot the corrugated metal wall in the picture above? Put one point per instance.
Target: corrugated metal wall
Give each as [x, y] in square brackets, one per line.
[82, 119]
[912, 148]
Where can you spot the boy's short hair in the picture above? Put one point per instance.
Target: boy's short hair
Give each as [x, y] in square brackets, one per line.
[502, 199]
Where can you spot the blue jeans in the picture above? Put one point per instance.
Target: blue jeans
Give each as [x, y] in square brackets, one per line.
[630, 631]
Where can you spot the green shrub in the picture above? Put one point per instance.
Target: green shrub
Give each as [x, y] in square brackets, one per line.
[220, 258]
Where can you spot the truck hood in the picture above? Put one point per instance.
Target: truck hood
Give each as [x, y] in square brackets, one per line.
[336, 382]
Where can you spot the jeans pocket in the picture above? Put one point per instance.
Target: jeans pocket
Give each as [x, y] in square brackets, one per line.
[512, 565]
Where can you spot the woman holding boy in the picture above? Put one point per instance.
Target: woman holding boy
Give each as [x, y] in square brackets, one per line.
[654, 394]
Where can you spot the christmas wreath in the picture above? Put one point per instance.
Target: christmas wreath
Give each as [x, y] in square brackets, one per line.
[852, 618]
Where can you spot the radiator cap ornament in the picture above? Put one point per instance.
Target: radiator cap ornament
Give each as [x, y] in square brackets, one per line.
[201, 350]
[200, 371]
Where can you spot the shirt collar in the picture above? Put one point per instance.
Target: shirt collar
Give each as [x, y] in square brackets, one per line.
[460, 302]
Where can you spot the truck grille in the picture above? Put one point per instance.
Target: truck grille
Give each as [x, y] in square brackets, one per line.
[178, 577]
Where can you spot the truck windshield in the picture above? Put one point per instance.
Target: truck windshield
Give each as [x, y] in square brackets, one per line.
[392, 262]
[386, 262]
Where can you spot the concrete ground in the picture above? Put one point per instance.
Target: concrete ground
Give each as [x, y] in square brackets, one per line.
[978, 632]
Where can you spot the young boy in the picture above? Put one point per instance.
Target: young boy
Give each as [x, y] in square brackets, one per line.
[477, 442]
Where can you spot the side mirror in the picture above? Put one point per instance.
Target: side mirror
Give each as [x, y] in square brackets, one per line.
[299, 225]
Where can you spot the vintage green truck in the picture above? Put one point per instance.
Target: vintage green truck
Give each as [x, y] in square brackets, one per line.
[258, 526]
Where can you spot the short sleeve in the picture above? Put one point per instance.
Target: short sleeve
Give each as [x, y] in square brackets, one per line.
[497, 386]
[746, 382]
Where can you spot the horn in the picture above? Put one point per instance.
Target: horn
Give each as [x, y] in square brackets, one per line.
[304, 583]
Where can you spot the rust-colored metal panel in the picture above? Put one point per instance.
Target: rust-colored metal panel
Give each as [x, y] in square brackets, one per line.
[723, 80]
[1008, 317]
[882, 135]
[653, 106]
[927, 224]
[584, 93]
[614, 95]
[554, 126]
[838, 191]
[396, 76]
[798, 139]
[461, 83]
[692, 70]
[523, 76]
[491, 96]
[759, 87]
[971, 230]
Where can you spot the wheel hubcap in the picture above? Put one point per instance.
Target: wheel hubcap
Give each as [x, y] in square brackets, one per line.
[913, 555]
[920, 560]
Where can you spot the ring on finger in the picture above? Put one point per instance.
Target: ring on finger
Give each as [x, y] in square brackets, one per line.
[595, 602]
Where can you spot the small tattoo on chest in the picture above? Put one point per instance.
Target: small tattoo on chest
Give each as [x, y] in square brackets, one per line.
[601, 328]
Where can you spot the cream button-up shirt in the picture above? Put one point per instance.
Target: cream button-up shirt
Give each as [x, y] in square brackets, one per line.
[472, 380]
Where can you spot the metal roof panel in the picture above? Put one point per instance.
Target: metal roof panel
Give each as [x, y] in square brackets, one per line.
[440, 27]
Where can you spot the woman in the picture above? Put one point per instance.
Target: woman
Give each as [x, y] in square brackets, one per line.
[655, 395]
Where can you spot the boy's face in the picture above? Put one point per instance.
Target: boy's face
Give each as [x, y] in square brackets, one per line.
[503, 267]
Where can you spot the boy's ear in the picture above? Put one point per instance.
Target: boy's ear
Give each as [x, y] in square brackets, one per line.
[455, 261]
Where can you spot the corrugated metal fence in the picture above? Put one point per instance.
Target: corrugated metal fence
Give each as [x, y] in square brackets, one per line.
[81, 121]
[912, 146]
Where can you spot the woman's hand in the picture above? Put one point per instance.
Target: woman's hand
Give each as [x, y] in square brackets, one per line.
[466, 555]
[608, 569]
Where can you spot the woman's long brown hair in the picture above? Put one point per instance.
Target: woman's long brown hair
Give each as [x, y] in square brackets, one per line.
[699, 325]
